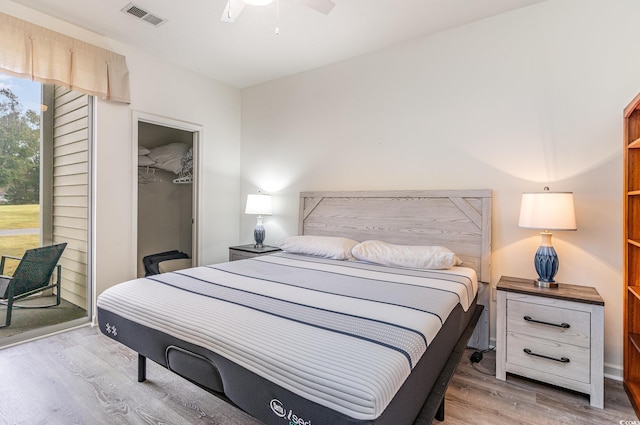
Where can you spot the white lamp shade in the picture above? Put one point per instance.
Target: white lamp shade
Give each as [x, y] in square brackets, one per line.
[258, 204]
[548, 211]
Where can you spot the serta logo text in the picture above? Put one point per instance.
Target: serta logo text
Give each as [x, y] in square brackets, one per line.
[278, 408]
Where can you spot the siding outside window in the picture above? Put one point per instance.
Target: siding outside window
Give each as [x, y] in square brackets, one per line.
[65, 178]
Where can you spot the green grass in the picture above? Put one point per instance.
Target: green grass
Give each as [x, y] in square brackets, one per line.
[16, 246]
[19, 216]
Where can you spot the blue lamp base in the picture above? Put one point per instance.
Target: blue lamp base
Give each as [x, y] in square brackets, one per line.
[546, 263]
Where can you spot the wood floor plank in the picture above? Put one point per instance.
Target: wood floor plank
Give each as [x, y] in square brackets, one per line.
[477, 398]
[83, 377]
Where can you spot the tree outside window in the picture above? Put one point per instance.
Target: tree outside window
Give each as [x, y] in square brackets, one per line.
[19, 150]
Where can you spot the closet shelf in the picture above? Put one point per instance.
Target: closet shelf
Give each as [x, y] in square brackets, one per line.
[147, 174]
[183, 180]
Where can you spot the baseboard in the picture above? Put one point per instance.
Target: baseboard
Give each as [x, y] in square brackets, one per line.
[613, 371]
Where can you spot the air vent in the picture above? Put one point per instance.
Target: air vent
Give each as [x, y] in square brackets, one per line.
[140, 13]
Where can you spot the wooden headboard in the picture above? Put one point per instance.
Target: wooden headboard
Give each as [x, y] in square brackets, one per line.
[457, 219]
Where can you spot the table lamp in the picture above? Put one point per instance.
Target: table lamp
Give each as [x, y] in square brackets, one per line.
[548, 211]
[260, 205]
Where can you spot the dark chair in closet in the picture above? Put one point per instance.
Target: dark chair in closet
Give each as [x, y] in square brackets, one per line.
[32, 275]
[152, 262]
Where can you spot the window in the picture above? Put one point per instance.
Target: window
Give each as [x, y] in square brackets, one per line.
[45, 152]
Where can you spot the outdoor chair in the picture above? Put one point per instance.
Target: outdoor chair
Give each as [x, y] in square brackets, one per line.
[32, 275]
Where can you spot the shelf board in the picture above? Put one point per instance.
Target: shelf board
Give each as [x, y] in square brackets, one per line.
[635, 144]
[635, 341]
[633, 242]
[633, 192]
[635, 291]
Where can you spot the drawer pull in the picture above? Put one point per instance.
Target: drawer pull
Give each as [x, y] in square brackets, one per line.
[561, 359]
[561, 325]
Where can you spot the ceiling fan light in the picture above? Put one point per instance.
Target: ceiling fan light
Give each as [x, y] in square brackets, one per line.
[258, 2]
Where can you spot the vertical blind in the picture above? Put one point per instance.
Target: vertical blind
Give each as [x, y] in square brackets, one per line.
[31, 51]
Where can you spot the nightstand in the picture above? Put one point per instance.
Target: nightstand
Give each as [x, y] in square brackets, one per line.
[242, 252]
[553, 335]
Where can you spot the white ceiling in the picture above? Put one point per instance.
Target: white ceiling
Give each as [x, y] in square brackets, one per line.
[248, 52]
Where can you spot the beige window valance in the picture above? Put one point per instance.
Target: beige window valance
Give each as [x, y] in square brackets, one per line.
[34, 52]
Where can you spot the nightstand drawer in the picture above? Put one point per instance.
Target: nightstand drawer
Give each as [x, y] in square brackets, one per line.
[235, 255]
[577, 367]
[554, 323]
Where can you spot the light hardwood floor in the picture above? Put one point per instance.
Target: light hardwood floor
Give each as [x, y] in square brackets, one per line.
[476, 398]
[82, 377]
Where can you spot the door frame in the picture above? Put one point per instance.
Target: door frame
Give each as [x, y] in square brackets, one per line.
[197, 131]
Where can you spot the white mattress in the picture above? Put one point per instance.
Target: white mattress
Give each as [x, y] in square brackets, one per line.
[342, 334]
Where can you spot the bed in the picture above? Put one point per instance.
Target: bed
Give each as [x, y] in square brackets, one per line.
[306, 339]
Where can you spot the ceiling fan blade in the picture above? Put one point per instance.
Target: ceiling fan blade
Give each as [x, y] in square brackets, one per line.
[322, 6]
[232, 10]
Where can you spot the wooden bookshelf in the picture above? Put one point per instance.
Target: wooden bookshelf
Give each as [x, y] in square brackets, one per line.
[631, 265]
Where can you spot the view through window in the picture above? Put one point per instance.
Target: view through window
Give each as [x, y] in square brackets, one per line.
[45, 175]
[19, 167]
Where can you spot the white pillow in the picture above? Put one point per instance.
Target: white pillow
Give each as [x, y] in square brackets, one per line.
[322, 246]
[419, 257]
[169, 157]
[145, 161]
[142, 150]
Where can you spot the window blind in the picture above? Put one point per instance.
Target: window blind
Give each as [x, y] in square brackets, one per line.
[31, 51]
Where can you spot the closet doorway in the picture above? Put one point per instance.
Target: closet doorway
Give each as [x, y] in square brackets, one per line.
[166, 194]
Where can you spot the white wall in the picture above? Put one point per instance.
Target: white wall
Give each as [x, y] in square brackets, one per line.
[512, 103]
[159, 89]
[164, 90]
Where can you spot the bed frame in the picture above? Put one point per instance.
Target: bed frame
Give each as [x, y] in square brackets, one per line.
[457, 219]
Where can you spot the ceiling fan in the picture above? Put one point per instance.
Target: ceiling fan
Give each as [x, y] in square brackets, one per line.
[234, 7]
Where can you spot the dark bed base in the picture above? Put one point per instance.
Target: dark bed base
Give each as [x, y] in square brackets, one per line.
[433, 407]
